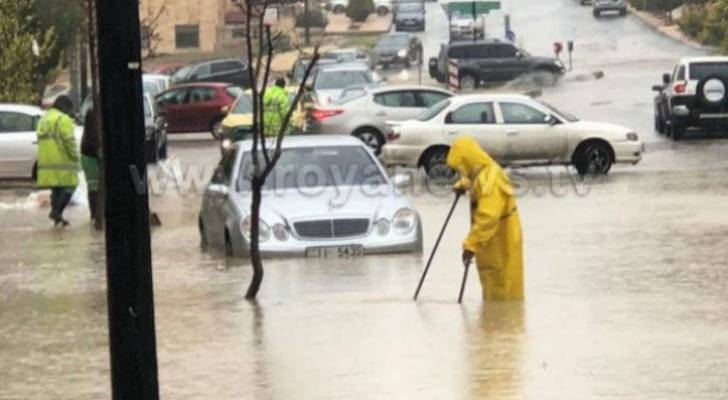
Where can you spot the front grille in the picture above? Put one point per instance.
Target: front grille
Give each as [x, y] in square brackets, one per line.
[331, 228]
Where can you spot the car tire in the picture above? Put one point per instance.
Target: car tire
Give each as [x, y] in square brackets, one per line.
[339, 9]
[34, 172]
[676, 131]
[372, 138]
[597, 14]
[659, 123]
[468, 82]
[546, 77]
[382, 11]
[215, 128]
[163, 152]
[435, 163]
[594, 157]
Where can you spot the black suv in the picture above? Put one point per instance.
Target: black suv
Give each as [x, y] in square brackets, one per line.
[491, 60]
[226, 71]
[695, 94]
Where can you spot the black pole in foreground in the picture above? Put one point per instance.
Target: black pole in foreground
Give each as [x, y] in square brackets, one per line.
[465, 280]
[437, 244]
[128, 254]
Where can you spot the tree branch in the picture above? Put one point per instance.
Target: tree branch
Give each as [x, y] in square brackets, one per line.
[266, 76]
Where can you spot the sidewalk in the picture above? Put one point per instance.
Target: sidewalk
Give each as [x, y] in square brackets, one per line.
[339, 24]
[671, 30]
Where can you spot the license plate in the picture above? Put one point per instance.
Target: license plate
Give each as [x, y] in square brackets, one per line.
[335, 251]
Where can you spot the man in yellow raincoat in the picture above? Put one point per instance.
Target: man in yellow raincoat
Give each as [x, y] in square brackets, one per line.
[495, 238]
[275, 106]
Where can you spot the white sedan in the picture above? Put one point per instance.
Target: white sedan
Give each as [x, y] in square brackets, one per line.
[513, 129]
[18, 140]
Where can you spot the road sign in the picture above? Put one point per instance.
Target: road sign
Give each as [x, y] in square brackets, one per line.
[466, 7]
[271, 16]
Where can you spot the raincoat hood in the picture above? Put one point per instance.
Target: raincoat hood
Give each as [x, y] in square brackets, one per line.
[468, 158]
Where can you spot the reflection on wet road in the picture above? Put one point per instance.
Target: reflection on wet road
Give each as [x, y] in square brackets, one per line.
[625, 282]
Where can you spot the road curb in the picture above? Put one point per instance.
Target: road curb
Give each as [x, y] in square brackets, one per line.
[656, 24]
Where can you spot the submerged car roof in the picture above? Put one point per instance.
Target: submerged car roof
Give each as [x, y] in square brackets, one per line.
[292, 142]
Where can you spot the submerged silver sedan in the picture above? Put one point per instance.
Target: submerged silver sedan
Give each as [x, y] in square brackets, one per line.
[328, 196]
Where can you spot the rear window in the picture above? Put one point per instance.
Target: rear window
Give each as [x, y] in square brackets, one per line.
[234, 91]
[341, 79]
[468, 52]
[244, 105]
[700, 71]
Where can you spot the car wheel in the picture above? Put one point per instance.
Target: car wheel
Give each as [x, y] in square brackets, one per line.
[596, 14]
[339, 9]
[659, 123]
[546, 77]
[468, 82]
[676, 131]
[372, 138]
[163, 152]
[34, 172]
[435, 163]
[382, 11]
[594, 158]
[215, 128]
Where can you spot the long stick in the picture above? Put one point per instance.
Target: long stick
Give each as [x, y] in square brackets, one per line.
[465, 279]
[437, 244]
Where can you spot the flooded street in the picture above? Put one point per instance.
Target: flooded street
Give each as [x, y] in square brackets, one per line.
[626, 280]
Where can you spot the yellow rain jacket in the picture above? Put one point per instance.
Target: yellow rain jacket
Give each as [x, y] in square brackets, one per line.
[495, 234]
[58, 156]
[275, 106]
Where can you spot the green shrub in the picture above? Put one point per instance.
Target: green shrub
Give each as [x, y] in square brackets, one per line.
[715, 24]
[312, 19]
[359, 10]
[691, 22]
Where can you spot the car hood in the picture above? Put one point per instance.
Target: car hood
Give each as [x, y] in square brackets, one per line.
[235, 120]
[599, 129]
[287, 206]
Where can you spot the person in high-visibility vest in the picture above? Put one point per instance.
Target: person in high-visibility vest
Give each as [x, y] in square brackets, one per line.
[495, 238]
[58, 157]
[275, 105]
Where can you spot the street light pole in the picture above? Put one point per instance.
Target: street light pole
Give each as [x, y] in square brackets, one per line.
[132, 338]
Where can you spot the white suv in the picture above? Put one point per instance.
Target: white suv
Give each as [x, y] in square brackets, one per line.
[381, 7]
[695, 94]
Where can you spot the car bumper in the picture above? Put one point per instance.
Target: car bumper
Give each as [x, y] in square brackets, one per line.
[390, 59]
[371, 244]
[684, 116]
[319, 128]
[401, 155]
[628, 152]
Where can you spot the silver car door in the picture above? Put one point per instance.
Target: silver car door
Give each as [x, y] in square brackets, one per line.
[479, 121]
[530, 133]
[18, 144]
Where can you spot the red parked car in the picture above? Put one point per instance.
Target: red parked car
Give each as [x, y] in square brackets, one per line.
[197, 107]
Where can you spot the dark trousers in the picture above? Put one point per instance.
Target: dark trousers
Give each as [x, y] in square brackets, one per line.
[60, 197]
[93, 202]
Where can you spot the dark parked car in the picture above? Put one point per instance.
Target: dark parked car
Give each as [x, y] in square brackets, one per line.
[395, 48]
[299, 68]
[230, 71]
[410, 16]
[695, 94]
[491, 60]
[197, 107]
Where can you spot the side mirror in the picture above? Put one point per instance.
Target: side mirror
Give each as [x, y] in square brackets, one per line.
[658, 88]
[666, 78]
[551, 120]
[225, 110]
[448, 118]
[401, 181]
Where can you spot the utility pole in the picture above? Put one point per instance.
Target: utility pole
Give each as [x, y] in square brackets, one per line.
[132, 339]
[306, 28]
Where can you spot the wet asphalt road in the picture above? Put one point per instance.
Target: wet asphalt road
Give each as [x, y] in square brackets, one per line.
[625, 279]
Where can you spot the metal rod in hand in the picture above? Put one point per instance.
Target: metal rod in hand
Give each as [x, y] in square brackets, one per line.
[437, 243]
[465, 279]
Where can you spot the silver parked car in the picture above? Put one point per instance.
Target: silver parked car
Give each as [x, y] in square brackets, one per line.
[330, 80]
[328, 196]
[363, 112]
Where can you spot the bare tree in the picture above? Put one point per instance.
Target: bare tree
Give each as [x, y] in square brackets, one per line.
[150, 27]
[266, 146]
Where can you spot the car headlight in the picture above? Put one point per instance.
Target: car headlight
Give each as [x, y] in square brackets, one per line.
[632, 137]
[559, 63]
[402, 53]
[227, 144]
[264, 229]
[280, 232]
[404, 221]
[382, 227]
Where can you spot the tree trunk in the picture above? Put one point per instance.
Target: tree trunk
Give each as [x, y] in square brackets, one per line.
[93, 57]
[257, 186]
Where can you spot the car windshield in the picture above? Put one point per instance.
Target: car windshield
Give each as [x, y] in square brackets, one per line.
[182, 72]
[434, 110]
[341, 56]
[410, 8]
[699, 71]
[393, 40]
[558, 113]
[340, 79]
[244, 105]
[311, 167]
